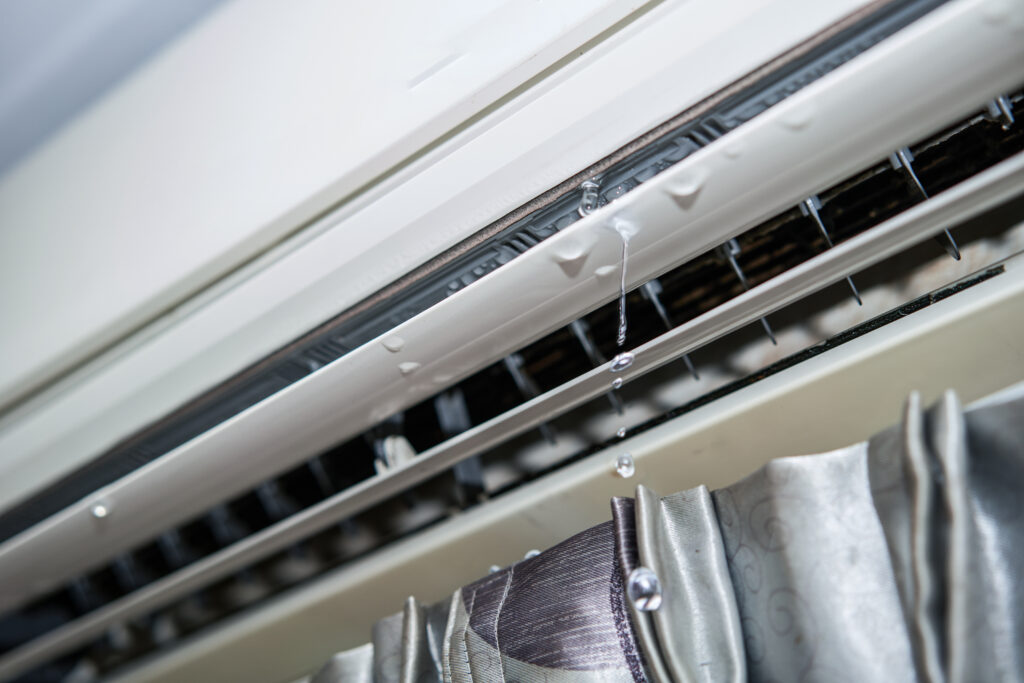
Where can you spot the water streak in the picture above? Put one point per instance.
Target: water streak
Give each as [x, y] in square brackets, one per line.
[624, 465]
[621, 339]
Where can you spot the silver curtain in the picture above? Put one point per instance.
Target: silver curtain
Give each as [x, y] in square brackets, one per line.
[897, 559]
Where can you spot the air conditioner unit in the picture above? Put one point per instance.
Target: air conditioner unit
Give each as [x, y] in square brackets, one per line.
[508, 269]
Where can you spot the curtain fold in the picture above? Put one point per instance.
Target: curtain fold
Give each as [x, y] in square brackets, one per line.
[354, 666]
[697, 626]
[989, 586]
[811, 572]
[897, 559]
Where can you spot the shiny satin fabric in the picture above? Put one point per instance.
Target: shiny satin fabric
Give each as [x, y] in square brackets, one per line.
[897, 559]
[559, 616]
[947, 487]
[986, 635]
[353, 666]
[695, 634]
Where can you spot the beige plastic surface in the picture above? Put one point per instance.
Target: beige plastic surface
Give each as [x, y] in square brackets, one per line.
[972, 342]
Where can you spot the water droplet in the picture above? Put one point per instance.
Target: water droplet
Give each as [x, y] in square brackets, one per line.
[734, 150]
[624, 466]
[408, 367]
[995, 11]
[531, 553]
[644, 589]
[686, 186]
[617, 383]
[799, 116]
[626, 228]
[99, 510]
[621, 433]
[622, 361]
[589, 197]
[494, 569]
[572, 251]
[393, 344]
[1007, 16]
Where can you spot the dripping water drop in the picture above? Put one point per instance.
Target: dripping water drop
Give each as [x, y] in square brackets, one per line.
[621, 433]
[624, 466]
[621, 339]
[617, 383]
[644, 589]
[622, 361]
[531, 554]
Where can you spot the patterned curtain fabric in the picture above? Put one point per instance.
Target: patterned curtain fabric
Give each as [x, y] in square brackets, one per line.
[897, 559]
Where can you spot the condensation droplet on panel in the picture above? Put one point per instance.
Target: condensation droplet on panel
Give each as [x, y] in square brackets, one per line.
[393, 343]
[798, 116]
[995, 11]
[408, 368]
[622, 361]
[685, 188]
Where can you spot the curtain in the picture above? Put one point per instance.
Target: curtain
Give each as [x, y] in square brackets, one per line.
[896, 559]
